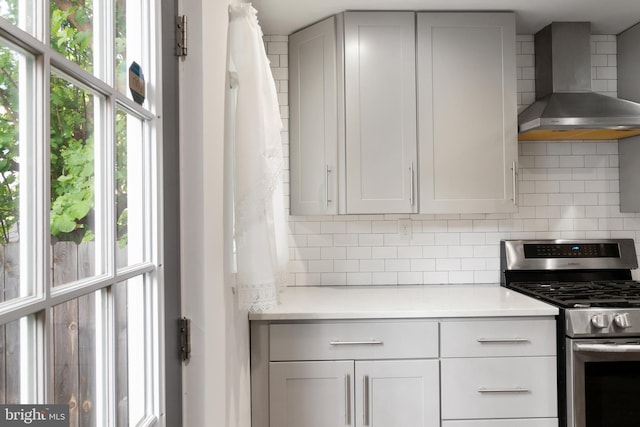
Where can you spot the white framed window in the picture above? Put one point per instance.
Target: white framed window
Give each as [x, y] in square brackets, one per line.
[80, 232]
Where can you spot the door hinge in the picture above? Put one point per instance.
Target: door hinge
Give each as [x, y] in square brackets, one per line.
[185, 338]
[181, 35]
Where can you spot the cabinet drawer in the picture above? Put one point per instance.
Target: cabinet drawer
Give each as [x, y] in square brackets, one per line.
[504, 387]
[357, 340]
[531, 422]
[500, 337]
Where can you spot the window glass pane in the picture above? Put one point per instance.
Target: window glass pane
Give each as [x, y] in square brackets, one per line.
[130, 31]
[18, 12]
[77, 360]
[17, 354]
[131, 369]
[75, 217]
[130, 195]
[72, 30]
[16, 144]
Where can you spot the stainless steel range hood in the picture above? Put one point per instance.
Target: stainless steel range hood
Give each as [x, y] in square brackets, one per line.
[566, 108]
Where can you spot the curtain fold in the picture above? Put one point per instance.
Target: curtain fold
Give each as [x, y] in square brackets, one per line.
[254, 117]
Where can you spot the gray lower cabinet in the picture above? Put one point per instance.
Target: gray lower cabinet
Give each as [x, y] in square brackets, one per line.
[498, 372]
[312, 394]
[354, 393]
[481, 372]
[467, 112]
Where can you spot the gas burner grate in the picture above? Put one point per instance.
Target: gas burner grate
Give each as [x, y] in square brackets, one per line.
[624, 293]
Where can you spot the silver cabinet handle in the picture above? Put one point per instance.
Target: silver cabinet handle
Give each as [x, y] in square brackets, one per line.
[411, 190]
[347, 385]
[515, 182]
[503, 340]
[504, 390]
[370, 342]
[327, 183]
[365, 415]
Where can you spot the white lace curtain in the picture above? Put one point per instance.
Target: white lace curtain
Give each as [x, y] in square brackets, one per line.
[255, 125]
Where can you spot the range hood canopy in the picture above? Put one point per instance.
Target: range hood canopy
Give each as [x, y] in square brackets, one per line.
[565, 106]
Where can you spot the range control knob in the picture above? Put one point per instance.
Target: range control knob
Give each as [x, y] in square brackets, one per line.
[621, 320]
[600, 321]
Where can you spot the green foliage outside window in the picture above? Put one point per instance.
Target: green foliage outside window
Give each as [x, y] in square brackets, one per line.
[71, 130]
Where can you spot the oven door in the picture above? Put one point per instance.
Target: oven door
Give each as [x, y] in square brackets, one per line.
[603, 382]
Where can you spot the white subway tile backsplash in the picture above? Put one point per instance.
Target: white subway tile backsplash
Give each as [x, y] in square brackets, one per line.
[346, 266]
[316, 266]
[397, 265]
[434, 252]
[410, 252]
[388, 278]
[559, 149]
[435, 278]
[371, 265]
[584, 148]
[359, 279]
[333, 253]
[445, 239]
[424, 264]
[335, 279]
[409, 278]
[461, 277]
[384, 252]
[371, 239]
[567, 189]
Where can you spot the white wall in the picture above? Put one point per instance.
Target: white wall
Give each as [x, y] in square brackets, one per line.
[566, 190]
[216, 380]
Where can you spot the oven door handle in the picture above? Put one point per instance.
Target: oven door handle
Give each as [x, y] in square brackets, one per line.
[607, 348]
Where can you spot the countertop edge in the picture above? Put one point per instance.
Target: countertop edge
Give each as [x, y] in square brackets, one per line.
[419, 302]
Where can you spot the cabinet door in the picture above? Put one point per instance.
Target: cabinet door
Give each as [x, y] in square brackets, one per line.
[394, 393]
[311, 394]
[380, 108]
[313, 142]
[467, 112]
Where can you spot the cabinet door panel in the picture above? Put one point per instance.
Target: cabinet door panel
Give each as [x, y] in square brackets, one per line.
[467, 112]
[313, 138]
[380, 112]
[311, 394]
[397, 393]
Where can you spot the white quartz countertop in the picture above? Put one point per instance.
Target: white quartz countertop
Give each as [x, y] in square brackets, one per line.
[388, 302]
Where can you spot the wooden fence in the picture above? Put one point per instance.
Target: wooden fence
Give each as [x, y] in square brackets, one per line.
[73, 337]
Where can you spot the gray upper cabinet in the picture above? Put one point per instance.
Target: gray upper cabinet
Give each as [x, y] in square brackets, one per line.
[390, 118]
[467, 112]
[628, 88]
[313, 132]
[380, 112]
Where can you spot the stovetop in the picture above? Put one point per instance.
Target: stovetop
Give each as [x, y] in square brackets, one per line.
[583, 294]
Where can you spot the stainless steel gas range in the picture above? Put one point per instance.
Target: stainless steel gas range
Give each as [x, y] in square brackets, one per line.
[598, 325]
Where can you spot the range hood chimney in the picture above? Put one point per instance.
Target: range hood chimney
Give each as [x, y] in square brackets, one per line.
[566, 108]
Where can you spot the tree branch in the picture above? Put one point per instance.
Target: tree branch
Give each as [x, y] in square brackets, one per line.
[65, 5]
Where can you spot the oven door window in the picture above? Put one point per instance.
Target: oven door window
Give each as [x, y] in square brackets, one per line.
[612, 394]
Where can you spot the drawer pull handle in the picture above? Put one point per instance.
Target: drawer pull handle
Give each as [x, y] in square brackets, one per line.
[503, 340]
[370, 342]
[504, 390]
